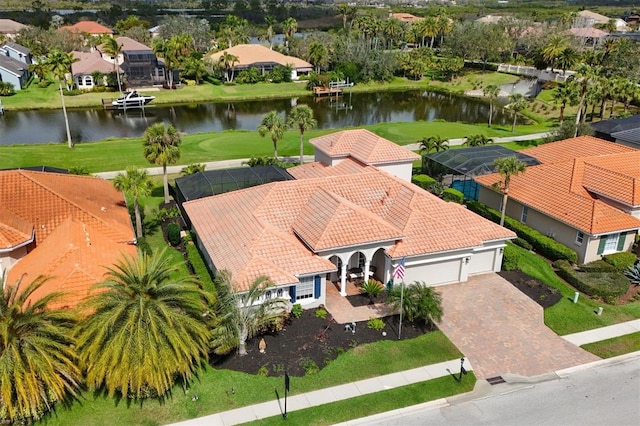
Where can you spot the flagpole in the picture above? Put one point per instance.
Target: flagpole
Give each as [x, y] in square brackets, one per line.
[401, 301]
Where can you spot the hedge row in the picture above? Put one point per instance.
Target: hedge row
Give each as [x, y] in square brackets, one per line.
[423, 181]
[546, 246]
[453, 195]
[199, 267]
[607, 285]
[510, 258]
[620, 261]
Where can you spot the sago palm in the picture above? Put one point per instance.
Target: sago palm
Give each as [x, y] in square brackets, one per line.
[301, 117]
[161, 146]
[38, 365]
[145, 329]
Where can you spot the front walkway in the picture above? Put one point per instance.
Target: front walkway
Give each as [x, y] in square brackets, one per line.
[502, 331]
[343, 312]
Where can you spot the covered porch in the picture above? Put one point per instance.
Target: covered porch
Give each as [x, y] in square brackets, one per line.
[343, 312]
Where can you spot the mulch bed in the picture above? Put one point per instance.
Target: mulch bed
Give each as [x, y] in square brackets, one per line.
[537, 291]
[310, 339]
[363, 300]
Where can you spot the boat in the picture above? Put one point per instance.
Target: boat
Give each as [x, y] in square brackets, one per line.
[132, 100]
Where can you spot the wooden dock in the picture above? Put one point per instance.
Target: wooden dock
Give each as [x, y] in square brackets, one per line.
[327, 91]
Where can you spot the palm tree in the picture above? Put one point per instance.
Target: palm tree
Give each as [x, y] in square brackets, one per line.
[491, 92]
[346, 11]
[318, 55]
[146, 328]
[301, 117]
[162, 48]
[553, 49]
[162, 147]
[270, 33]
[112, 48]
[564, 95]
[507, 167]
[228, 62]
[420, 302]
[239, 316]
[273, 125]
[38, 365]
[585, 75]
[59, 64]
[567, 59]
[192, 169]
[137, 184]
[517, 103]
[194, 67]
[628, 91]
[477, 140]
[429, 144]
[289, 28]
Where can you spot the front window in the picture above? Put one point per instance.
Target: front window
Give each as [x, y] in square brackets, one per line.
[579, 238]
[304, 290]
[525, 212]
[611, 245]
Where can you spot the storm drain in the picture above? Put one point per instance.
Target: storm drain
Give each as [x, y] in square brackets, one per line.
[496, 380]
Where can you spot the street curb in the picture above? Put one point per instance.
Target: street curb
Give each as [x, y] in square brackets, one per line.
[400, 412]
[596, 364]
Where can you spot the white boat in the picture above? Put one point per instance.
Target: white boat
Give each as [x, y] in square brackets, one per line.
[132, 100]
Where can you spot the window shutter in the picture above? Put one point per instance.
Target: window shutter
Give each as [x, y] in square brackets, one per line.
[621, 242]
[603, 241]
[316, 286]
[292, 293]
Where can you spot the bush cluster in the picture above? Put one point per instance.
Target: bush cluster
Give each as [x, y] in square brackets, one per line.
[199, 267]
[510, 258]
[375, 324]
[173, 234]
[597, 266]
[423, 181]
[546, 246]
[607, 285]
[523, 243]
[620, 261]
[453, 195]
[296, 310]
[6, 89]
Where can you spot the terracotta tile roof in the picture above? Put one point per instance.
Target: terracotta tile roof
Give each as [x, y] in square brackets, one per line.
[364, 146]
[616, 176]
[317, 169]
[129, 44]
[405, 17]
[74, 256]
[568, 149]
[14, 231]
[255, 54]
[47, 199]
[253, 231]
[557, 191]
[90, 62]
[89, 27]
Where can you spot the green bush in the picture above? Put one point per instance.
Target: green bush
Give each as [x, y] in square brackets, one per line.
[453, 195]
[309, 366]
[620, 261]
[173, 234]
[510, 258]
[143, 246]
[597, 266]
[607, 285]
[546, 246]
[72, 92]
[199, 267]
[44, 83]
[375, 324]
[523, 243]
[321, 313]
[263, 371]
[372, 289]
[6, 89]
[296, 310]
[423, 181]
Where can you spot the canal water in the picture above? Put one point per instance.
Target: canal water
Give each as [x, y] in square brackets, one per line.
[357, 109]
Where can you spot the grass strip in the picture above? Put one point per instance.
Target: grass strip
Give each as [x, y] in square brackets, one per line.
[367, 405]
[615, 346]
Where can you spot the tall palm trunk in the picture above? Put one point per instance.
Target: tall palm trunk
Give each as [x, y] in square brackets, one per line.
[562, 107]
[513, 125]
[301, 149]
[275, 150]
[136, 210]
[505, 197]
[490, 112]
[603, 107]
[66, 118]
[165, 183]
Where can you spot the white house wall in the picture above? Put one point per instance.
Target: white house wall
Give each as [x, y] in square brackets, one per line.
[324, 158]
[401, 170]
[9, 258]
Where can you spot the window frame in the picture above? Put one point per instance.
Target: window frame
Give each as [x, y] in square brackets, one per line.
[579, 238]
[524, 214]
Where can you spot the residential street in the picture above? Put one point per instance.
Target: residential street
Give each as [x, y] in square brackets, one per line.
[607, 395]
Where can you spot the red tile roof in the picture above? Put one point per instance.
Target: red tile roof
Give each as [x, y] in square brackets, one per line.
[567, 188]
[75, 257]
[89, 27]
[129, 44]
[14, 231]
[90, 62]
[363, 145]
[318, 169]
[254, 231]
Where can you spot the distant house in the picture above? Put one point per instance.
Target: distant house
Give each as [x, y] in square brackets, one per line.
[64, 226]
[14, 64]
[88, 64]
[589, 36]
[620, 130]
[88, 27]
[585, 195]
[264, 59]
[138, 62]
[407, 18]
[587, 19]
[10, 28]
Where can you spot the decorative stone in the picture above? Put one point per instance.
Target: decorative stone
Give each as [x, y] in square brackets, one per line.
[262, 346]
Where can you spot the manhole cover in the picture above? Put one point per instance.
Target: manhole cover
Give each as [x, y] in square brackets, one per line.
[496, 380]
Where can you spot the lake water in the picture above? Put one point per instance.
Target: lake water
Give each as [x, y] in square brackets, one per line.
[47, 126]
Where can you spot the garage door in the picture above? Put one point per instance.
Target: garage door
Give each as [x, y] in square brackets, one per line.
[434, 273]
[482, 262]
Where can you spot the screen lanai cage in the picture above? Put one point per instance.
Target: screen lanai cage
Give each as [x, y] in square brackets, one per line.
[460, 166]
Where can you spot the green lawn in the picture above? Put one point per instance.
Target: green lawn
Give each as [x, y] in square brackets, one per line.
[614, 347]
[565, 317]
[367, 405]
[213, 386]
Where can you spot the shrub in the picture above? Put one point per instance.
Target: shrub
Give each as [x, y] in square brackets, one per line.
[607, 285]
[321, 313]
[296, 310]
[420, 302]
[546, 246]
[372, 289]
[453, 195]
[375, 324]
[78, 170]
[143, 246]
[597, 266]
[173, 234]
[309, 366]
[523, 243]
[72, 92]
[263, 371]
[510, 258]
[423, 181]
[199, 267]
[44, 83]
[6, 89]
[620, 261]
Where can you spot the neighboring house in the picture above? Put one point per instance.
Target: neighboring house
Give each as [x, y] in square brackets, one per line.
[65, 226]
[589, 36]
[88, 27]
[87, 65]
[14, 64]
[10, 28]
[490, 19]
[606, 129]
[585, 195]
[264, 59]
[343, 217]
[138, 62]
[407, 18]
[587, 19]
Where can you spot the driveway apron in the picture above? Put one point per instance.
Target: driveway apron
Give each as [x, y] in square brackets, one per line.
[502, 330]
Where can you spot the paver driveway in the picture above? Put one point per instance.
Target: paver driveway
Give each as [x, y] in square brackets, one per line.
[502, 331]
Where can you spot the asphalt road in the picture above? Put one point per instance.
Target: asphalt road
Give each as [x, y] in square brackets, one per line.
[608, 395]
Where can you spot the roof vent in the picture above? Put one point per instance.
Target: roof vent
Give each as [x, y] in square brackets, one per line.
[103, 209]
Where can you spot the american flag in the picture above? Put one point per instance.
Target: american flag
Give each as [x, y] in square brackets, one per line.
[398, 271]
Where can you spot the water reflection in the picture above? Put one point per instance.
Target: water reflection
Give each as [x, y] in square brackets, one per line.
[29, 127]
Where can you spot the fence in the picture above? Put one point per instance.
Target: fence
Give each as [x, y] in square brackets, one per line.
[544, 75]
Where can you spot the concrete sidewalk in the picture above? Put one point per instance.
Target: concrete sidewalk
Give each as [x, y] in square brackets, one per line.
[328, 395]
[603, 333]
